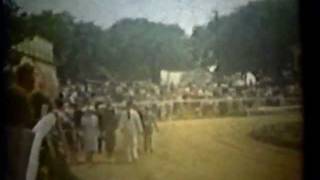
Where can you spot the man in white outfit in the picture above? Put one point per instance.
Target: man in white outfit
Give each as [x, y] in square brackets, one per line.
[250, 79]
[131, 128]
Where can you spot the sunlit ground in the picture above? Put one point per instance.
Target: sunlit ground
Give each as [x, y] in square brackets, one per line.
[208, 149]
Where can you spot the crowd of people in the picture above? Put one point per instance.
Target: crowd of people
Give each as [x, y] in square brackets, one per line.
[94, 122]
[97, 110]
[88, 117]
[232, 86]
[64, 128]
[164, 99]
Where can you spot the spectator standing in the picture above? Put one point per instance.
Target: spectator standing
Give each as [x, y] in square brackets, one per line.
[150, 124]
[109, 127]
[131, 128]
[20, 120]
[90, 129]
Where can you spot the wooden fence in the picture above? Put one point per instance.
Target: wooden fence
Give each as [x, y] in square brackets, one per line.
[201, 108]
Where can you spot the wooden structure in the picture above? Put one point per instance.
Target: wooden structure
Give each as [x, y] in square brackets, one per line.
[39, 52]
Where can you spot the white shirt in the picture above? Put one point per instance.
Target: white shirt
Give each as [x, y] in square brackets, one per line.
[41, 130]
[131, 125]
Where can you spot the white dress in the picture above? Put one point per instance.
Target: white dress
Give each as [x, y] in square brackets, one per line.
[90, 129]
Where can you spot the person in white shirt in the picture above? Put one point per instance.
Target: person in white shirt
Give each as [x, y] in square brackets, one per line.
[250, 79]
[41, 130]
[131, 127]
[49, 126]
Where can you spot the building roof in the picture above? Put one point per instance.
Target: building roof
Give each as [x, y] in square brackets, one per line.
[37, 47]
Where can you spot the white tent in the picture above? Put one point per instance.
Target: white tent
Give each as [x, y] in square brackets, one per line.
[170, 77]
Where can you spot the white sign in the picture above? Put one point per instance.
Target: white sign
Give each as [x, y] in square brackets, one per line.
[169, 77]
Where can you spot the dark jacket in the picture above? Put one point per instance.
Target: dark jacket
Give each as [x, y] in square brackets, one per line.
[18, 108]
[108, 120]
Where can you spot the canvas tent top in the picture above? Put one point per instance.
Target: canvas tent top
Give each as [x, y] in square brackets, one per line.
[38, 48]
[39, 52]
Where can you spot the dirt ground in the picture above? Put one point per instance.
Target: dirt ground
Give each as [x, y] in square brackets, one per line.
[219, 148]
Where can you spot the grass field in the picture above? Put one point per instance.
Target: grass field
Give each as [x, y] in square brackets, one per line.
[207, 149]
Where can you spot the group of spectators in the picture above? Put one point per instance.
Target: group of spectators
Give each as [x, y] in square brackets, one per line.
[231, 87]
[25, 106]
[157, 96]
[78, 122]
[87, 118]
[95, 122]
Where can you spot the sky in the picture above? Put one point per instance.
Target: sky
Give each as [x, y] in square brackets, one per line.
[185, 13]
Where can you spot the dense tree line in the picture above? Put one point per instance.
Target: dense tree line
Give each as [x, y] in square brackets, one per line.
[130, 49]
[257, 36]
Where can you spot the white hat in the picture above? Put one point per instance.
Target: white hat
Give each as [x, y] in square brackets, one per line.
[91, 108]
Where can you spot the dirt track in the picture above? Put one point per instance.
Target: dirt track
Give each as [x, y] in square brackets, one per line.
[205, 150]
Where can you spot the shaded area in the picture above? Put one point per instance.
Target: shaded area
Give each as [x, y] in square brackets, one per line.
[288, 134]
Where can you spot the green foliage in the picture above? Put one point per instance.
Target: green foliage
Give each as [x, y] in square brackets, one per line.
[144, 48]
[127, 50]
[256, 36]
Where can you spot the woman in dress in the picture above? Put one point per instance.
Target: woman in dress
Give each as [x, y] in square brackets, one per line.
[90, 129]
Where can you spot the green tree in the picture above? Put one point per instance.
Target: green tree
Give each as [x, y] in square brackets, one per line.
[257, 36]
